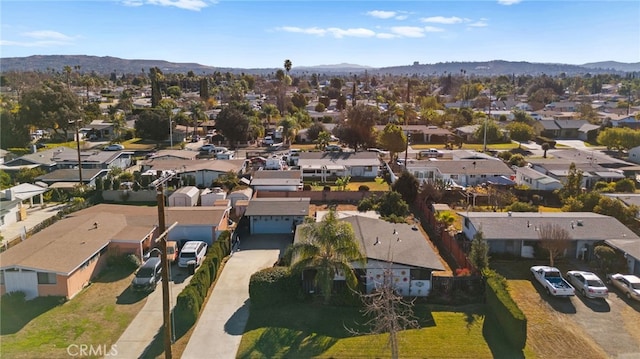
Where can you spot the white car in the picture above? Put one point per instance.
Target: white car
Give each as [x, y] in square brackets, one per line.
[114, 147]
[629, 284]
[588, 284]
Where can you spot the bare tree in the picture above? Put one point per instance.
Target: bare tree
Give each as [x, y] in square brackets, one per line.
[554, 239]
[388, 311]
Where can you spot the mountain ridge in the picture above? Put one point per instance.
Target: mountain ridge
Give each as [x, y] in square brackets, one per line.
[109, 64]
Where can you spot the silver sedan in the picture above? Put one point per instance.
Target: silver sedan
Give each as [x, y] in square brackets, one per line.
[587, 284]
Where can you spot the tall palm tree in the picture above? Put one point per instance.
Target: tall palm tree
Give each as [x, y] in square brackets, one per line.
[287, 65]
[329, 247]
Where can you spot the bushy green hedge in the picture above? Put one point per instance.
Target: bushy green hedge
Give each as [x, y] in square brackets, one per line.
[499, 302]
[540, 140]
[192, 297]
[274, 286]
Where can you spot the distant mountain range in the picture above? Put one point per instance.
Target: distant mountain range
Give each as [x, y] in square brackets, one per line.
[108, 64]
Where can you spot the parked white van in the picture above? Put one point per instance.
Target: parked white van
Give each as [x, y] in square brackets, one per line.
[192, 251]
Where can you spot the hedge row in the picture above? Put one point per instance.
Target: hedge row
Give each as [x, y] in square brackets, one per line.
[499, 302]
[274, 286]
[192, 297]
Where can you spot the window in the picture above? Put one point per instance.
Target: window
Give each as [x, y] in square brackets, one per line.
[46, 278]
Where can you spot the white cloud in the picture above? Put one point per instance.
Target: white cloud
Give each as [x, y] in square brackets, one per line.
[386, 35]
[408, 31]
[359, 32]
[334, 31]
[508, 2]
[380, 14]
[194, 5]
[299, 30]
[443, 20]
[401, 17]
[433, 29]
[47, 35]
[479, 23]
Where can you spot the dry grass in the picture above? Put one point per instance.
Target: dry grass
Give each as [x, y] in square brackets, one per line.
[97, 316]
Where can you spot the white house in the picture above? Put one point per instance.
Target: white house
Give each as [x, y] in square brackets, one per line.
[283, 180]
[326, 165]
[187, 196]
[535, 180]
[461, 172]
[12, 207]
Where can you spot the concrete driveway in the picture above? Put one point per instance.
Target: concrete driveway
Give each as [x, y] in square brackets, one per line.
[136, 339]
[219, 330]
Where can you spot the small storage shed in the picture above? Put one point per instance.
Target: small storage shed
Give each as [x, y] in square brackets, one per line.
[241, 194]
[208, 197]
[185, 197]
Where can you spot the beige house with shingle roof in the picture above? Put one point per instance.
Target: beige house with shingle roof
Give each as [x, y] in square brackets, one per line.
[63, 258]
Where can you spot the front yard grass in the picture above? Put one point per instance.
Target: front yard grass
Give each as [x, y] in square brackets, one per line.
[96, 316]
[139, 144]
[312, 330]
[378, 184]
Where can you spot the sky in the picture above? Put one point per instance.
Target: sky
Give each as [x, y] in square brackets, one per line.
[262, 34]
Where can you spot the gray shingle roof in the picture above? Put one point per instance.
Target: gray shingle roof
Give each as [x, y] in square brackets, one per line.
[278, 207]
[462, 167]
[522, 225]
[338, 158]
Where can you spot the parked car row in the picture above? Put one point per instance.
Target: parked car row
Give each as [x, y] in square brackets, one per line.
[586, 283]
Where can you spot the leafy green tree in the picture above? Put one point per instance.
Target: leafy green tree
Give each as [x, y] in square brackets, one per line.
[323, 139]
[5, 180]
[314, 131]
[13, 133]
[299, 100]
[626, 185]
[156, 76]
[545, 147]
[28, 175]
[573, 185]
[407, 185]
[393, 139]
[174, 92]
[233, 124]
[615, 208]
[270, 112]
[619, 139]
[493, 132]
[479, 252]
[51, 106]
[520, 132]
[358, 130]
[289, 128]
[330, 248]
[391, 203]
[342, 182]
[152, 124]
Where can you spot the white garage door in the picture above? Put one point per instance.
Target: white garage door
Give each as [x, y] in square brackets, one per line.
[25, 281]
[271, 224]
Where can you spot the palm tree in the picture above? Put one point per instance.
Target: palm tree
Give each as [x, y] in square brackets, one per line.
[545, 147]
[287, 65]
[329, 247]
[269, 111]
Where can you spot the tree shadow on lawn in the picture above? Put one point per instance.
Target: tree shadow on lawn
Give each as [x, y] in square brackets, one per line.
[114, 273]
[15, 313]
[496, 340]
[130, 296]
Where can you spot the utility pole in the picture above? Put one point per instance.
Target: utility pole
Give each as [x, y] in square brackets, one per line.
[78, 150]
[406, 151]
[166, 310]
[486, 121]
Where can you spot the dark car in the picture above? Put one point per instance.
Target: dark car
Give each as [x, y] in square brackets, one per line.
[148, 275]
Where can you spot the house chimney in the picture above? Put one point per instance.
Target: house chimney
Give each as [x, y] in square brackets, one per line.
[509, 213]
[377, 241]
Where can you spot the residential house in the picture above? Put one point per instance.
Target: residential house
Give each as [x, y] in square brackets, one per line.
[197, 223]
[12, 202]
[63, 258]
[633, 155]
[526, 176]
[565, 128]
[592, 172]
[567, 106]
[68, 178]
[277, 180]
[326, 165]
[205, 172]
[625, 120]
[424, 133]
[396, 247]
[517, 233]
[172, 155]
[460, 172]
[93, 159]
[42, 159]
[467, 133]
[276, 215]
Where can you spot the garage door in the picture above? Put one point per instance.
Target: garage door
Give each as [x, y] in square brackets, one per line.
[25, 281]
[271, 224]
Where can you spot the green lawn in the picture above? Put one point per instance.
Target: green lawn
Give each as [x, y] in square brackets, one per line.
[45, 327]
[469, 146]
[378, 185]
[313, 330]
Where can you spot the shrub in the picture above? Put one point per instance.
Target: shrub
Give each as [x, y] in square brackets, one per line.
[363, 188]
[306, 187]
[273, 286]
[188, 305]
[505, 155]
[522, 207]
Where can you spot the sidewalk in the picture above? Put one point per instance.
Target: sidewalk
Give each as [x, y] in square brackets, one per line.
[35, 216]
[133, 343]
[219, 330]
